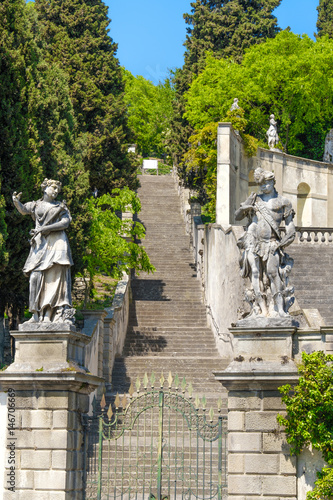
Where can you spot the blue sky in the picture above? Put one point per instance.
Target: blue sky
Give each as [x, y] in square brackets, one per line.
[150, 34]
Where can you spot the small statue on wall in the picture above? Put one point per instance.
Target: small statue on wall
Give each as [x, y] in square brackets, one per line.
[328, 154]
[234, 105]
[263, 259]
[49, 261]
[272, 135]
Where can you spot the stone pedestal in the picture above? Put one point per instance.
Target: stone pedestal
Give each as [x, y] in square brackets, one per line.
[48, 388]
[259, 463]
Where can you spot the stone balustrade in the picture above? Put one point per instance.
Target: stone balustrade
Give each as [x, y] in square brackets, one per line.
[314, 235]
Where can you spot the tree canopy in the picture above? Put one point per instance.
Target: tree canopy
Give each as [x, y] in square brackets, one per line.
[62, 116]
[290, 76]
[76, 34]
[224, 28]
[227, 28]
[325, 18]
[149, 110]
[37, 130]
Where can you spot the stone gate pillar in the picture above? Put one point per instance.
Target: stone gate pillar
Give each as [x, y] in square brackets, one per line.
[47, 391]
[259, 462]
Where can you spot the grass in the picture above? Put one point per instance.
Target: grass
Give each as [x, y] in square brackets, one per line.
[102, 295]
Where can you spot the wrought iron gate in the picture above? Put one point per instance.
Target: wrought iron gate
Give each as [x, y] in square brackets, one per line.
[158, 445]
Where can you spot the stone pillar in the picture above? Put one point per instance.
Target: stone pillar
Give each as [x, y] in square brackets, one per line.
[109, 348]
[259, 463]
[330, 196]
[48, 390]
[223, 202]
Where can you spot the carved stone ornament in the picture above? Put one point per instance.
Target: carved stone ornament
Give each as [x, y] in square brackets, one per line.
[263, 258]
[49, 261]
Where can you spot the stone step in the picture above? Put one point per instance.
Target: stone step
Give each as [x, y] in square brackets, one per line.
[168, 325]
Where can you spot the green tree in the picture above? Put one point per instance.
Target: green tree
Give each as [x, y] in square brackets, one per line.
[199, 163]
[76, 33]
[290, 76]
[112, 248]
[325, 18]
[19, 56]
[37, 140]
[227, 28]
[149, 109]
[309, 419]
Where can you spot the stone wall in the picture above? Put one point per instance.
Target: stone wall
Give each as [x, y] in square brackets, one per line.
[51, 383]
[107, 331]
[307, 183]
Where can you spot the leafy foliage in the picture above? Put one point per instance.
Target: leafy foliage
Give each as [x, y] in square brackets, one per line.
[200, 161]
[37, 130]
[309, 419]
[149, 109]
[199, 164]
[290, 76]
[325, 16]
[112, 248]
[76, 33]
[225, 28]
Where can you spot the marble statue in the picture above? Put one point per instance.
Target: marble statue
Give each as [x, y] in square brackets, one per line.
[263, 259]
[271, 133]
[49, 261]
[234, 105]
[328, 153]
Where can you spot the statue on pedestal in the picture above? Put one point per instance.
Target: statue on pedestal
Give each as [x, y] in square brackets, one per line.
[234, 105]
[49, 261]
[263, 258]
[328, 153]
[272, 134]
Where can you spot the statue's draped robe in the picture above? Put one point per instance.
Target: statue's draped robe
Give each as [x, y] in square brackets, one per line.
[49, 261]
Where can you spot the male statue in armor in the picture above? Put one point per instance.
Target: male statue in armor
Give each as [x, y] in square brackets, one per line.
[263, 258]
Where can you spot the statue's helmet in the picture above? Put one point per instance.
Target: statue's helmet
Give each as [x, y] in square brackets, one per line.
[261, 176]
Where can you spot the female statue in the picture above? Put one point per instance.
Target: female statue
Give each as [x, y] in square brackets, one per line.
[49, 261]
[271, 133]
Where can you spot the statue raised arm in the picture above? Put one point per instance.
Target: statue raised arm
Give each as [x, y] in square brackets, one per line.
[49, 261]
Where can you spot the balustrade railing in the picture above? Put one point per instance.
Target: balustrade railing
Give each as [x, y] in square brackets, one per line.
[313, 235]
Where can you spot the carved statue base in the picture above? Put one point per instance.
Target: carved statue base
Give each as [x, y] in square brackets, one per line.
[46, 327]
[266, 322]
[49, 347]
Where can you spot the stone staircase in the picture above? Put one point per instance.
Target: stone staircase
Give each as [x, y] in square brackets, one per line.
[312, 277]
[168, 328]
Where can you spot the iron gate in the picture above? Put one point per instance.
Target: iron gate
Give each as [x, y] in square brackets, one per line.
[158, 445]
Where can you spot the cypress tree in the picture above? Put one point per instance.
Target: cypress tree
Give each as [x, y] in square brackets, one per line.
[37, 140]
[76, 33]
[18, 60]
[226, 28]
[325, 18]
